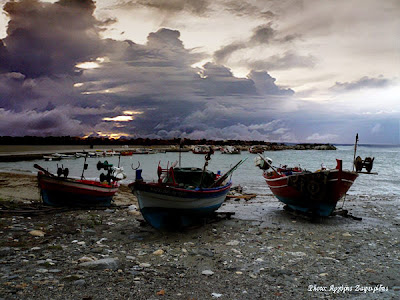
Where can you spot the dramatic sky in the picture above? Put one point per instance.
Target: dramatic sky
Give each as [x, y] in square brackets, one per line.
[274, 70]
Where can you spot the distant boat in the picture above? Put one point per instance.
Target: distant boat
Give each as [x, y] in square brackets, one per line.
[60, 190]
[201, 149]
[80, 154]
[143, 151]
[315, 193]
[181, 197]
[52, 158]
[230, 150]
[126, 153]
[86, 154]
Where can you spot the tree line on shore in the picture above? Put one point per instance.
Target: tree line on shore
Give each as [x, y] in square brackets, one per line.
[69, 140]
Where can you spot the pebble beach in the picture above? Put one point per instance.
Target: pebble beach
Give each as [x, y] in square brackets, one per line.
[262, 252]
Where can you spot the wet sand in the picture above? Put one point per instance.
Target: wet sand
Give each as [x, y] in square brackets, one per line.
[263, 252]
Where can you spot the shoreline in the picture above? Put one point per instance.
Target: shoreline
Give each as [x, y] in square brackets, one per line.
[263, 252]
[13, 153]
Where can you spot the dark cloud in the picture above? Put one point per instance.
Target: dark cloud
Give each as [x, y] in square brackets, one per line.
[263, 34]
[218, 80]
[155, 79]
[39, 123]
[362, 83]
[46, 39]
[41, 94]
[266, 84]
[223, 54]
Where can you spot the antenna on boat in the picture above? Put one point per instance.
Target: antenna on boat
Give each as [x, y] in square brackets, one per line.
[85, 166]
[180, 151]
[355, 150]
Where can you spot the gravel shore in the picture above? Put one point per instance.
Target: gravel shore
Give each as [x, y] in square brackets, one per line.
[263, 252]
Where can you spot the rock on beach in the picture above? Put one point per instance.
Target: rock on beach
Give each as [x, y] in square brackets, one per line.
[263, 252]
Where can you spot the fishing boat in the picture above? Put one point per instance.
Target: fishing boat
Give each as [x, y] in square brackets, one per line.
[314, 193]
[61, 190]
[201, 149]
[181, 197]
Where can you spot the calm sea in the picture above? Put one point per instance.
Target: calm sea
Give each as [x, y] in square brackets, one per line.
[386, 164]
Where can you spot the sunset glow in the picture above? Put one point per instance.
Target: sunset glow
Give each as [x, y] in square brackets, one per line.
[119, 119]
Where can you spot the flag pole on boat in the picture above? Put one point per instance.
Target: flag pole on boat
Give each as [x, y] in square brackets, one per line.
[355, 150]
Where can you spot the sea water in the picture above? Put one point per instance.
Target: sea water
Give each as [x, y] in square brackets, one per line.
[248, 176]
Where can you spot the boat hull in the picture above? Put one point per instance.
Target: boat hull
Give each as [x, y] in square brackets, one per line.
[58, 191]
[165, 207]
[314, 193]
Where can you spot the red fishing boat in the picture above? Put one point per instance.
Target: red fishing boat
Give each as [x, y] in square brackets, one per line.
[59, 190]
[316, 193]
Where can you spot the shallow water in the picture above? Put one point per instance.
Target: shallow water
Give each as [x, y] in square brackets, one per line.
[387, 164]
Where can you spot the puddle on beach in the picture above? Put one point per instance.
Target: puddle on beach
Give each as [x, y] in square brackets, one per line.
[267, 211]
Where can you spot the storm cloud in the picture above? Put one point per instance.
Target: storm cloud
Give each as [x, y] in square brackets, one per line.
[46, 39]
[41, 78]
[60, 75]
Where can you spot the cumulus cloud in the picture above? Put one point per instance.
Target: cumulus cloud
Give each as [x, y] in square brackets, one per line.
[39, 123]
[265, 84]
[236, 131]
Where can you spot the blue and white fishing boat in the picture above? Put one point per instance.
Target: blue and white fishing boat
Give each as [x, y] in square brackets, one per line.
[181, 197]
